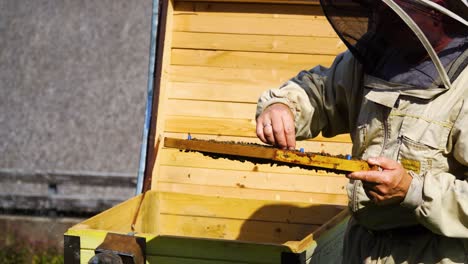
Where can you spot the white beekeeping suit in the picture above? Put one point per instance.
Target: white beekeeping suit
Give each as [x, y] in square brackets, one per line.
[401, 91]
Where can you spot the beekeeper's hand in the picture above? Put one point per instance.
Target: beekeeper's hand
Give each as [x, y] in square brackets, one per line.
[275, 126]
[389, 185]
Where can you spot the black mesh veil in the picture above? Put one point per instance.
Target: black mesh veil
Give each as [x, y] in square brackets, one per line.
[389, 49]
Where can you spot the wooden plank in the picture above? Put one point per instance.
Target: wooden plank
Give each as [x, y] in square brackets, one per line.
[234, 229]
[327, 247]
[334, 146]
[89, 238]
[164, 57]
[215, 249]
[178, 204]
[228, 148]
[86, 255]
[220, 127]
[173, 157]
[250, 77]
[319, 198]
[211, 125]
[251, 60]
[269, 153]
[148, 218]
[256, 180]
[258, 8]
[259, 43]
[211, 109]
[186, 22]
[117, 219]
[220, 92]
[317, 144]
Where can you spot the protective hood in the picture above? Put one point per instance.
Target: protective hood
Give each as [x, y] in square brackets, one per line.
[410, 44]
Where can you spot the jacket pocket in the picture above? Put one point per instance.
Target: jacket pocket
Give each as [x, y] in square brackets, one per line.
[423, 144]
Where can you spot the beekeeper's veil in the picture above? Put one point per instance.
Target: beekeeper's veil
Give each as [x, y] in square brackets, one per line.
[418, 44]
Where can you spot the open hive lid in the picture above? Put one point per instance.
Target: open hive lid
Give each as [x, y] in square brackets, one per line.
[214, 58]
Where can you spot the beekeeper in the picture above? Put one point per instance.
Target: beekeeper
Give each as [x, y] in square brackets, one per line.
[401, 91]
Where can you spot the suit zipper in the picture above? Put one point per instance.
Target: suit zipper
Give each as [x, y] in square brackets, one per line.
[385, 113]
[386, 135]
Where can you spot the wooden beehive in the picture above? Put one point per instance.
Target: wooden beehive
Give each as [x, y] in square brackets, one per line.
[214, 60]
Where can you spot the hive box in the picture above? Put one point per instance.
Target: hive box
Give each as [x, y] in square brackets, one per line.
[213, 60]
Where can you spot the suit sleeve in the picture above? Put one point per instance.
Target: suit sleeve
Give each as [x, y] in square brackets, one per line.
[320, 99]
[444, 207]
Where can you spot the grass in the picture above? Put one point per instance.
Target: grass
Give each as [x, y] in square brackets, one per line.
[15, 249]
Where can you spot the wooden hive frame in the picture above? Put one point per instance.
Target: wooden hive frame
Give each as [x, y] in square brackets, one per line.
[216, 57]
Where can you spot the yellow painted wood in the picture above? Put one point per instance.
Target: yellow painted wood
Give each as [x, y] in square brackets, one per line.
[256, 9]
[259, 43]
[148, 219]
[317, 144]
[211, 109]
[216, 249]
[254, 180]
[157, 162]
[188, 249]
[211, 126]
[233, 229]
[237, 127]
[250, 60]
[268, 154]
[166, 250]
[260, 77]
[253, 194]
[181, 204]
[117, 219]
[322, 161]
[220, 92]
[187, 224]
[252, 25]
[89, 238]
[173, 157]
[165, 75]
[86, 255]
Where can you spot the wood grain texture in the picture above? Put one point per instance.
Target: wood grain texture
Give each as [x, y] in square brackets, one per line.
[234, 229]
[268, 153]
[220, 92]
[220, 127]
[258, 43]
[253, 194]
[245, 209]
[274, 8]
[185, 22]
[174, 157]
[312, 182]
[117, 219]
[211, 109]
[260, 77]
[248, 59]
